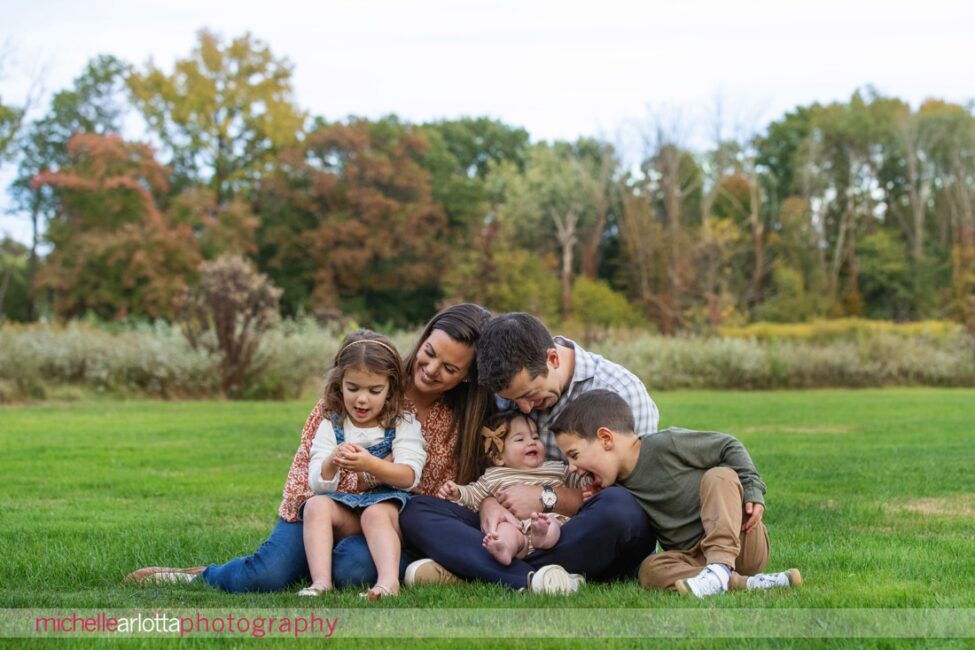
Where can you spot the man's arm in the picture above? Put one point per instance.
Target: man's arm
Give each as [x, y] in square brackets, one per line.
[523, 500]
[493, 514]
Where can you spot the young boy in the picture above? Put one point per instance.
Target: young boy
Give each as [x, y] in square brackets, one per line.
[700, 490]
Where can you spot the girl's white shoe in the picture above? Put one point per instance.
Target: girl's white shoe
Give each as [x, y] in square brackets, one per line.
[313, 591]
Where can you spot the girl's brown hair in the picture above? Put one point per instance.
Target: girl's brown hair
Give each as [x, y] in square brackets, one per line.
[366, 350]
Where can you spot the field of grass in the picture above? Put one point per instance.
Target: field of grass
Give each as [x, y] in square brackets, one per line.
[871, 494]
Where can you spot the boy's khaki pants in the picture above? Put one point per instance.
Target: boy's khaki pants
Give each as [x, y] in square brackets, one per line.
[723, 541]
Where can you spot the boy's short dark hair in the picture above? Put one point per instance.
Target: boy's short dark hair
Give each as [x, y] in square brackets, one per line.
[509, 344]
[593, 409]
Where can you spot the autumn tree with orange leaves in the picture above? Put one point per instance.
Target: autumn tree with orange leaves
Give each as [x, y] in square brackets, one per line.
[360, 217]
[114, 252]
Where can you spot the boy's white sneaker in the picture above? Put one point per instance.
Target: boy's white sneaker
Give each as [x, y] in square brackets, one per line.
[790, 578]
[713, 579]
[553, 579]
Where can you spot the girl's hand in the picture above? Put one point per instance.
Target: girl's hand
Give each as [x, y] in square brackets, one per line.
[355, 459]
[344, 451]
[449, 491]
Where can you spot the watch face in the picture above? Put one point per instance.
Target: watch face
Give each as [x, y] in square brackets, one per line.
[548, 497]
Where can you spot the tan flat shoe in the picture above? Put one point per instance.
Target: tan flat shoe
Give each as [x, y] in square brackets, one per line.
[162, 575]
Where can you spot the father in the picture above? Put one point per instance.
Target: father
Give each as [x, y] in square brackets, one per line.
[608, 535]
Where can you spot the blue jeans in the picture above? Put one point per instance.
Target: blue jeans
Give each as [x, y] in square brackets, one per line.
[606, 540]
[280, 562]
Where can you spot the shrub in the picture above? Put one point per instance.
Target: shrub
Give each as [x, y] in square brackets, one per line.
[150, 360]
[881, 360]
[844, 329]
[596, 308]
[227, 313]
[155, 360]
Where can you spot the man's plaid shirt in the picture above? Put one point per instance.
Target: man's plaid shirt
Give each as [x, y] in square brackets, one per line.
[593, 371]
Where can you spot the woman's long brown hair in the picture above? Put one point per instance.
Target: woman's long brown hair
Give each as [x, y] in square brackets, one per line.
[468, 402]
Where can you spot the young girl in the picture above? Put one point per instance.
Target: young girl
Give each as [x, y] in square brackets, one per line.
[368, 435]
[512, 444]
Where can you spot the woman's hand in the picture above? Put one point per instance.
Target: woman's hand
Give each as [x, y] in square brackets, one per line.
[449, 491]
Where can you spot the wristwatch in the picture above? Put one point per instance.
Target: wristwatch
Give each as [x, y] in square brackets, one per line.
[548, 498]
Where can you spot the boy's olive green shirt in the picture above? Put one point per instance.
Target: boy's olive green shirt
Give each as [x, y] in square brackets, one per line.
[667, 480]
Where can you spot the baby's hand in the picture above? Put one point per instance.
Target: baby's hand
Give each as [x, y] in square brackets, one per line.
[449, 491]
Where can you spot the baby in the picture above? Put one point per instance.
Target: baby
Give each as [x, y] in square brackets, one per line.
[513, 446]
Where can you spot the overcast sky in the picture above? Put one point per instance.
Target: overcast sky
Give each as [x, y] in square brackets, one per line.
[559, 69]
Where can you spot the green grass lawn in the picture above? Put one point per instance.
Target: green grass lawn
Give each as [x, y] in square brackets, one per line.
[870, 493]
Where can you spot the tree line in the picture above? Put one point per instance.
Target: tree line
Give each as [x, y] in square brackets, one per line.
[855, 208]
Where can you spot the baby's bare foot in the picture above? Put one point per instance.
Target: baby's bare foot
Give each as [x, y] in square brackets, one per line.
[541, 532]
[497, 548]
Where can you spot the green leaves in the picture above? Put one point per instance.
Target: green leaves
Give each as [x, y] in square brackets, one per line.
[223, 112]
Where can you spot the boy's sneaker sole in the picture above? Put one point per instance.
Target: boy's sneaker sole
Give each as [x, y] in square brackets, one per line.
[553, 579]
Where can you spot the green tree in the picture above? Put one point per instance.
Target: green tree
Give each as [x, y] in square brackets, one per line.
[478, 143]
[95, 104]
[789, 301]
[222, 113]
[560, 200]
[14, 298]
[886, 276]
[503, 277]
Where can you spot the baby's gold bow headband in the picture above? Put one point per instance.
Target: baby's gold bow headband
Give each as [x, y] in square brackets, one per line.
[494, 437]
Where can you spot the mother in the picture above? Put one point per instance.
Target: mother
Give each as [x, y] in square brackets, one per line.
[445, 396]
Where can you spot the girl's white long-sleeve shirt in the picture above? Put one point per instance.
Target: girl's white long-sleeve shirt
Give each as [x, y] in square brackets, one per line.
[409, 448]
